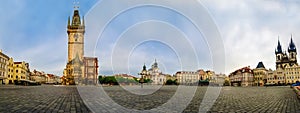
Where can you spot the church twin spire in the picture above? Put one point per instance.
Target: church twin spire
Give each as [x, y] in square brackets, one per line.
[278, 50]
[291, 48]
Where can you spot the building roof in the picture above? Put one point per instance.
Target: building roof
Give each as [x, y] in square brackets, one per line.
[17, 62]
[242, 70]
[2, 54]
[184, 72]
[260, 65]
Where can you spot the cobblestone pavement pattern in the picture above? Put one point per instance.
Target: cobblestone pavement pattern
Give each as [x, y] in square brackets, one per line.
[66, 99]
[257, 99]
[41, 99]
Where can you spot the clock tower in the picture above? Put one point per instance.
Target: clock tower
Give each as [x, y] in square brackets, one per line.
[76, 30]
[74, 71]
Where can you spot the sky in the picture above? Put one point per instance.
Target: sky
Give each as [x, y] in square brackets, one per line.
[35, 32]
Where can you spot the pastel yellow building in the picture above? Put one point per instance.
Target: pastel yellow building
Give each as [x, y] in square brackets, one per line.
[292, 74]
[260, 74]
[21, 70]
[206, 75]
[17, 71]
[10, 78]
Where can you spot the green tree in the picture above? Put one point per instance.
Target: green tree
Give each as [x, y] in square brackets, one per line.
[226, 83]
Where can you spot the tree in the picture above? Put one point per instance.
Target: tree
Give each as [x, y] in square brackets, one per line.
[226, 83]
[171, 82]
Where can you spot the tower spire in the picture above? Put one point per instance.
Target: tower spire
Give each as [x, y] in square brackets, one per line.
[83, 21]
[292, 47]
[278, 49]
[76, 21]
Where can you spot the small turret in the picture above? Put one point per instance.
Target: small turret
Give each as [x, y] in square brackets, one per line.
[69, 21]
[83, 24]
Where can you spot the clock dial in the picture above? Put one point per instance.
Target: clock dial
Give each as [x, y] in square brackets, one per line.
[76, 37]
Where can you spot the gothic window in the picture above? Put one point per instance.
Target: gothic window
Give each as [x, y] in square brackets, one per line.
[278, 57]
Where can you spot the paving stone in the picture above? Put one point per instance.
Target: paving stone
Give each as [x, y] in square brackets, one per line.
[38, 99]
[66, 99]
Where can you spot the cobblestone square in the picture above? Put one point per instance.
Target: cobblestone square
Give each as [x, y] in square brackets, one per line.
[66, 99]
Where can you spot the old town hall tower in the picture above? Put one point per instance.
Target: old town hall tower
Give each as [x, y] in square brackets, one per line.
[74, 71]
[79, 70]
[76, 30]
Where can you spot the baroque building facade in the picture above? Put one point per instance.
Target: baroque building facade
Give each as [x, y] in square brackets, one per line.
[79, 69]
[154, 74]
[198, 77]
[187, 77]
[287, 69]
[241, 77]
[260, 74]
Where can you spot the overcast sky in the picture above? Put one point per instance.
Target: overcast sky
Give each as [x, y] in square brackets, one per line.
[35, 32]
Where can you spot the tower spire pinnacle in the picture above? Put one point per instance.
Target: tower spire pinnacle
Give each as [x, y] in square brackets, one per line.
[83, 21]
[278, 49]
[68, 20]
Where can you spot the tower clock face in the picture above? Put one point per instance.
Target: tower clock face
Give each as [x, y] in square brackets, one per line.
[76, 37]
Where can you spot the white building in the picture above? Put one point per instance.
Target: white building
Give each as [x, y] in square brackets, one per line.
[157, 77]
[218, 79]
[3, 67]
[187, 77]
[154, 74]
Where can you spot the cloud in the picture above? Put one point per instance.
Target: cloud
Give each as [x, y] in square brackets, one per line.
[36, 32]
[250, 29]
